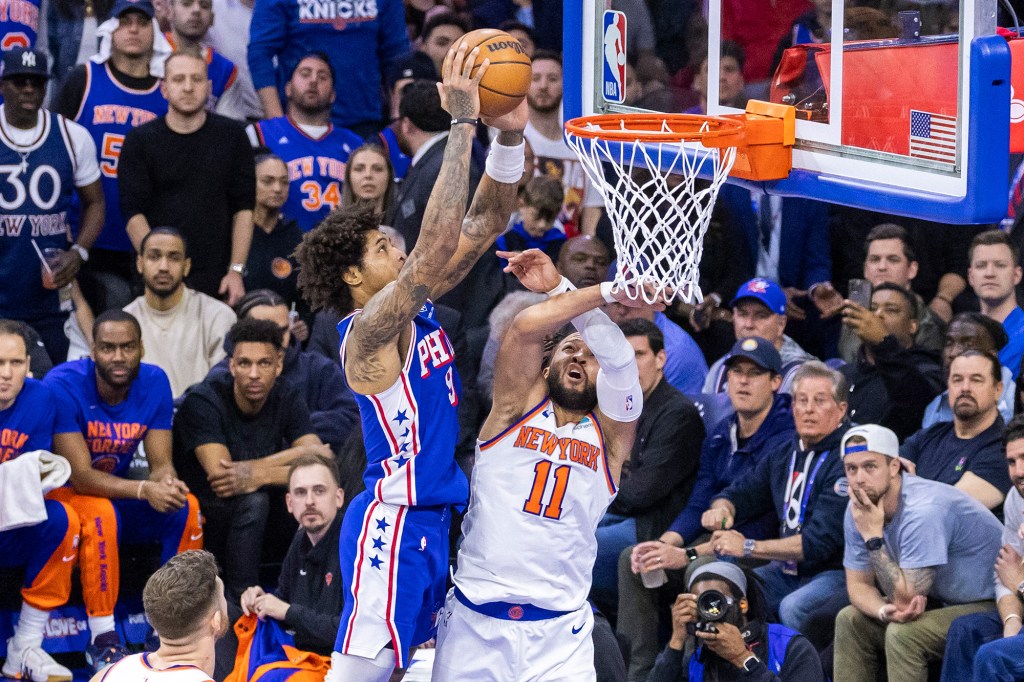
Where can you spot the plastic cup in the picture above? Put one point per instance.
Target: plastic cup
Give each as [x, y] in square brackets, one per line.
[53, 257]
[655, 578]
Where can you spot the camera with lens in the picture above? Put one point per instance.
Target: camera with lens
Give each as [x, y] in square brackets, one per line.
[712, 607]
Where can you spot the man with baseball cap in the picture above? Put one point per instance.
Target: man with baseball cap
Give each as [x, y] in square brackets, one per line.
[46, 159]
[720, 632]
[927, 545]
[759, 309]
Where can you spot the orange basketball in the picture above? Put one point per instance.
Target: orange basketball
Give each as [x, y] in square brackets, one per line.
[508, 77]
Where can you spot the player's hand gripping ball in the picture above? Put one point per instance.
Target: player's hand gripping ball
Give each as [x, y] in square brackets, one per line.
[507, 79]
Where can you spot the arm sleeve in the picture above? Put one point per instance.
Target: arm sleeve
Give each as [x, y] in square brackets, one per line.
[687, 523]
[855, 554]
[924, 539]
[910, 384]
[68, 415]
[69, 100]
[751, 494]
[219, 325]
[822, 532]
[618, 381]
[1014, 518]
[268, 33]
[334, 413]
[289, 567]
[989, 465]
[816, 249]
[296, 417]
[911, 448]
[671, 666]
[87, 168]
[198, 423]
[164, 416]
[133, 181]
[315, 626]
[242, 193]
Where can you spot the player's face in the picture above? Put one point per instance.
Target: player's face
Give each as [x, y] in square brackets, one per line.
[750, 317]
[271, 184]
[963, 335]
[23, 96]
[751, 387]
[278, 314]
[255, 367]
[649, 363]
[133, 36]
[117, 352]
[545, 93]
[368, 175]
[186, 85]
[382, 261]
[192, 18]
[894, 311]
[314, 498]
[440, 41]
[311, 88]
[973, 391]
[1015, 463]
[992, 273]
[163, 264]
[572, 375]
[730, 81]
[815, 410]
[584, 262]
[886, 262]
[871, 473]
[14, 365]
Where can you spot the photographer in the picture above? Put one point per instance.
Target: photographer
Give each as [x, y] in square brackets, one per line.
[719, 633]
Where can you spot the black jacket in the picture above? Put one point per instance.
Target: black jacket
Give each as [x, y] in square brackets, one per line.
[896, 389]
[311, 584]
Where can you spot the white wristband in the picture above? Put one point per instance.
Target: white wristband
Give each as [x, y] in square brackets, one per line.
[881, 613]
[506, 164]
[563, 286]
[606, 291]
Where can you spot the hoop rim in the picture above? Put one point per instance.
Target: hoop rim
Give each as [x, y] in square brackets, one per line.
[719, 131]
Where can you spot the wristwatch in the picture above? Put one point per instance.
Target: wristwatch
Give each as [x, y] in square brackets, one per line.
[81, 251]
[750, 665]
[238, 267]
[874, 544]
[748, 548]
[691, 554]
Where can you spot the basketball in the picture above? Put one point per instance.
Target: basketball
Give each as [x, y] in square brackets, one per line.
[508, 77]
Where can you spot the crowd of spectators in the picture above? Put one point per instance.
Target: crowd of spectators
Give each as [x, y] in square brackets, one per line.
[828, 465]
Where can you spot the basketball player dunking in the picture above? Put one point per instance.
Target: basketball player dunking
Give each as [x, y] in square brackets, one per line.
[547, 464]
[399, 363]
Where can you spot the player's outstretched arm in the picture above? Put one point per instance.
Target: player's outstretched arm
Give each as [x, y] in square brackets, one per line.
[373, 361]
[495, 197]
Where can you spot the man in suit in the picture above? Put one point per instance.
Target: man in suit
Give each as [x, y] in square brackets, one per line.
[422, 134]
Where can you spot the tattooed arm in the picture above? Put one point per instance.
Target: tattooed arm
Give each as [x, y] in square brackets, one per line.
[900, 584]
[373, 356]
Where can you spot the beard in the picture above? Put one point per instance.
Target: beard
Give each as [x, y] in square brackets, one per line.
[966, 408]
[107, 375]
[582, 400]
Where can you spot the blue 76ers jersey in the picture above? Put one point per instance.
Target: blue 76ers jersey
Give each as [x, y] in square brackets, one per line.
[109, 110]
[411, 429]
[19, 23]
[316, 167]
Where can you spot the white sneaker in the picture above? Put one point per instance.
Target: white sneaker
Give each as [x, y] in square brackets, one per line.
[32, 663]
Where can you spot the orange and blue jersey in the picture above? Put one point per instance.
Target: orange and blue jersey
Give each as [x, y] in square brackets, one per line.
[109, 110]
[411, 429]
[399, 160]
[19, 24]
[28, 424]
[316, 166]
[221, 71]
[112, 432]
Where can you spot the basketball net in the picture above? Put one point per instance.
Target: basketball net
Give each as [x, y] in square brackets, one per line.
[658, 205]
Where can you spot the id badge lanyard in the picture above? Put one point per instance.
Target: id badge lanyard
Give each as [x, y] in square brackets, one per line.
[789, 567]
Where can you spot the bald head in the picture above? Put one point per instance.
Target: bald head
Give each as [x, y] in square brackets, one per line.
[583, 260]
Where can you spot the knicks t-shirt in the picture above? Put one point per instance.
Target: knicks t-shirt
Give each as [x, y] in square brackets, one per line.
[112, 432]
[28, 424]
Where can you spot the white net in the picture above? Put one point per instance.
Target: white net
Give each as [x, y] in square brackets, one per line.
[659, 208]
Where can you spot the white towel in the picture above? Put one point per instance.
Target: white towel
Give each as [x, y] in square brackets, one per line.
[23, 482]
[161, 48]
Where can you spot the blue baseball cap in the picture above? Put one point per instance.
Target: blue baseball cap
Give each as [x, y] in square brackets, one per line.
[122, 6]
[765, 291]
[759, 351]
[24, 61]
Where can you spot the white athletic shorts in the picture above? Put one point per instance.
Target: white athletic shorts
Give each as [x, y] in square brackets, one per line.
[478, 648]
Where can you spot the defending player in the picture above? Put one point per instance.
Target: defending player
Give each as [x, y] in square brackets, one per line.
[185, 604]
[399, 362]
[548, 461]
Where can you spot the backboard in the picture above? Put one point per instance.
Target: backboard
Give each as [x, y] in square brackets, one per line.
[904, 109]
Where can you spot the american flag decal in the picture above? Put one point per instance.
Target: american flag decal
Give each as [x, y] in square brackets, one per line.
[932, 136]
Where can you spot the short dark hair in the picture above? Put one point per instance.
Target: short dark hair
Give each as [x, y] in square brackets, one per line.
[513, 25]
[181, 594]
[165, 230]
[907, 295]
[326, 252]
[115, 315]
[995, 330]
[545, 194]
[255, 331]
[993, 359]
[15, 328]
[549, 55]
[993, 238]
[638, 326]
[891, 231]
[256, 298]
[421, 104]
[444, 18]
[268, 156]
[312, 460]
[316, 54]
[1014, 430]
[730, 48]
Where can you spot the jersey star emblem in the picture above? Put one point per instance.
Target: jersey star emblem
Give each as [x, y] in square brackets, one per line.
[375, 562]
[402, 461]
[378, 543]
[401, 417]
[382, 524]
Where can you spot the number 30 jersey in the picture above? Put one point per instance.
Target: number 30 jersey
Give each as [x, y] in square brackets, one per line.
[411, 429]
[539, 491]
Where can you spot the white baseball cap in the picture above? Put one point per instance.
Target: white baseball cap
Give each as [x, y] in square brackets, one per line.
[879, 439]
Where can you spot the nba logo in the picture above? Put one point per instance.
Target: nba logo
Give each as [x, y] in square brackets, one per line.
[613, 85]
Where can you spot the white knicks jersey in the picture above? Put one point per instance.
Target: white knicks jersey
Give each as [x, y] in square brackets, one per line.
[137, 669]
[537, 496]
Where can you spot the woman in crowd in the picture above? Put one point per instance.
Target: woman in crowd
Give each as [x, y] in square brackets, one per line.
[369, 178]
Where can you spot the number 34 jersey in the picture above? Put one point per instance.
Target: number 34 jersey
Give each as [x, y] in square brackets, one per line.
[538, 492]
